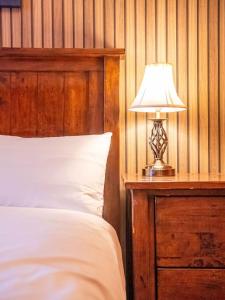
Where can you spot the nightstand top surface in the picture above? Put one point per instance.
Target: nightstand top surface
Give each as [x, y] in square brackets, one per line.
[180, 181]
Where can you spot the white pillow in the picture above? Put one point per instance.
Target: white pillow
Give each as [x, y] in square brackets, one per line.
[56, 172]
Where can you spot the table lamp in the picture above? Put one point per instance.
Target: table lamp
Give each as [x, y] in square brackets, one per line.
[157, 94]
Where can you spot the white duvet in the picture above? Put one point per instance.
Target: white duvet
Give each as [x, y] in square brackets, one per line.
[50, 254]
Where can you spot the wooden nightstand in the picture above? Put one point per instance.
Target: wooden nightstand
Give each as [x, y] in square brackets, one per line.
[176, 237]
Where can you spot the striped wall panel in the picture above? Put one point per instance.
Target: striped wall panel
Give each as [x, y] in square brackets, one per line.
[190, 34]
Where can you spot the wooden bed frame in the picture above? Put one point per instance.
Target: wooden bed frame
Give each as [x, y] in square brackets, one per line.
[56, 92]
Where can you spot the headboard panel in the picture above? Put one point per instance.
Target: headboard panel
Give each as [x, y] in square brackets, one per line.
[56, 92]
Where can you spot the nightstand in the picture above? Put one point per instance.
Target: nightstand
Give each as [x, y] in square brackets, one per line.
[176, 237]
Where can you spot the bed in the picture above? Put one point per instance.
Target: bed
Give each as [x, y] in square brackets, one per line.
[59, 251]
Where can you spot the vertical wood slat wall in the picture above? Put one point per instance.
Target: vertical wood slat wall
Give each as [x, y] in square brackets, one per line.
[190, 34]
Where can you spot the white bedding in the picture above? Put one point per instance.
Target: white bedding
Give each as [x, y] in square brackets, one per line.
[54, 172]
[52, 254]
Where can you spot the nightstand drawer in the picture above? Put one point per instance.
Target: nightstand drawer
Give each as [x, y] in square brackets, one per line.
[190, 232]
[191, 284]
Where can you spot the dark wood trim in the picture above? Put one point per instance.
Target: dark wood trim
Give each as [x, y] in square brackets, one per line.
[56, 52]
[178, 182]
[175, 185]
[191, 284]
[50, 64]
[111, 123]
[129, 269]
[143, 246]
[176, 225]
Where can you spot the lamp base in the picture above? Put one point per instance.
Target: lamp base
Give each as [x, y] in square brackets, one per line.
[159, 168]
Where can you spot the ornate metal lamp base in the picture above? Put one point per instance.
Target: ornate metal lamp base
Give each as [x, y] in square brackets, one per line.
[158, 142]
[152, 170]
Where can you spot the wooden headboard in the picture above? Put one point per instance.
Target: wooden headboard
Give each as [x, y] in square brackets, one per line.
[57, 92]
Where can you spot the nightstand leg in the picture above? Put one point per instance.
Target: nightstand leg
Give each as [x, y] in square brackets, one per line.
[143, 241]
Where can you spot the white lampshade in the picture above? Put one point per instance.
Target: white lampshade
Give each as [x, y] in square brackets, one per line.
[157, 92]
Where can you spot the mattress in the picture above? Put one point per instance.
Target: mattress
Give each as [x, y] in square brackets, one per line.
[58, 254]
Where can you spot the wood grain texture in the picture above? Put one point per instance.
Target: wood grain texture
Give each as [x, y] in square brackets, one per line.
[24, 92]
[83, 95]
[182, 222]
[39, 64]
[191, 284]
[96, 99]
[64, 92]
[190, 232]
[111, 124]
[76, 92]
[46, 53]
[179, 182]
[50, 104]
[5, 102]
[187, 33]
[143, 252]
